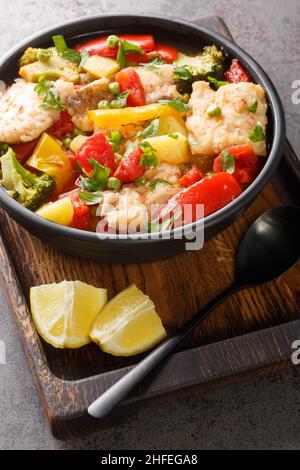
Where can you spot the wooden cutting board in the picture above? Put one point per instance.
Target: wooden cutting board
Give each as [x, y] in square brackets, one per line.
[248, 335]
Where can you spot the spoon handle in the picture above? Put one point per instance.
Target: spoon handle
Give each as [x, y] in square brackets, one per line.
[117, 392]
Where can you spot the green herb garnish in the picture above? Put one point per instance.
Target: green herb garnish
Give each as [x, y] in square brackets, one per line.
[120, 101]
[173, 135]
[151, 130]
[91, 198]
[153, 183]
[64, 51]
[126, 47]
[214, 110]
[184, 73]
[177, 104]
[84, 57]
[253, 107]
[257, 134]
[217, 83]
[115, 139]
[51, 99]
[149, 157]
[227, 161]
[98, 180]
[153, 64]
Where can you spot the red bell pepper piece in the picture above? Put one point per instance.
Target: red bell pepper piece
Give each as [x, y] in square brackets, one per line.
[99, 46]
[236, 73]
[193, 175]
[24, 150]
[81, 217]
[247, 164]
[129, 169]
[213, 192]
[63, 127]
[167, 53]
[98, 148]
[129, 80]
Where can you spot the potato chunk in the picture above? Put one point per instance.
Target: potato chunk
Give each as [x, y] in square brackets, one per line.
[171, 148]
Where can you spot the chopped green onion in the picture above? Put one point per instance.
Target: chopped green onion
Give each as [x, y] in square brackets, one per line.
[114, 183]
[173, 135]
[115, 139]
[253, 107]
[228, 161]
[59, 43]
[214, 110]
[257, 134]
[217, 83]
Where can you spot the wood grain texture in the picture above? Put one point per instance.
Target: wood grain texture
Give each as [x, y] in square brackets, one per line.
[249, 334]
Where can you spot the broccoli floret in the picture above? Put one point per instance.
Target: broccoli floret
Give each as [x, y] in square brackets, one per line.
[27, 188]
[53, 68]
[33, 54]
[29, 56]
[189, 69]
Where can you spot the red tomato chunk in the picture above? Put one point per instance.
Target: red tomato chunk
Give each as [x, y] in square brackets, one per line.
[247, 164]
[98, 148]
[130, 81]
[129, 169]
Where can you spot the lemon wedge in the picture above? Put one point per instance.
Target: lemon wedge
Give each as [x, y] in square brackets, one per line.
[64, 313]
[128, 324]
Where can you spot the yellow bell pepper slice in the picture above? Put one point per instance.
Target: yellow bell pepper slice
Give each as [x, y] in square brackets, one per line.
[49, 156]
[106, 118]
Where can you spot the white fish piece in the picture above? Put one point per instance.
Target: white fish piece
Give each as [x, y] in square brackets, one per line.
[22, 118]
[210, 135]
[80, 100]
[158, 84]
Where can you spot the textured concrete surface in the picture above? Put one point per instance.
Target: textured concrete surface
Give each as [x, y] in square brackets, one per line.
[259, 415]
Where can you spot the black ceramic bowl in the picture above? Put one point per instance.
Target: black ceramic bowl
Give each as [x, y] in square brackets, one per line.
[190, 38]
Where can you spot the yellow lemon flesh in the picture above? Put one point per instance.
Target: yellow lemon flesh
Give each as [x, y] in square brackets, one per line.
[64, 313]
[128, 324]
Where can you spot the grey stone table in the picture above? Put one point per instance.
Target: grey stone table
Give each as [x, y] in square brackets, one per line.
[259, 415]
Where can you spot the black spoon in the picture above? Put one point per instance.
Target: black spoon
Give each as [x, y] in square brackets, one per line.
[269, 248]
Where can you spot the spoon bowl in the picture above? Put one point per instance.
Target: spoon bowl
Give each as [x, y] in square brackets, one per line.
[269, 248]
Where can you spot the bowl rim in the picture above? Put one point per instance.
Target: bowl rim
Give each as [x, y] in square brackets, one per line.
[273, 158]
